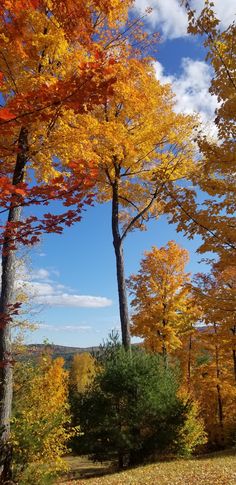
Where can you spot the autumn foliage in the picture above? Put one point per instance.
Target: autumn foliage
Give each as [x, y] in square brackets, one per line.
[84, 119]
[195, 324]
[40, 431]
[214, 220]
[160, 298]
[47, 77]
[82, 372]
[52, 69]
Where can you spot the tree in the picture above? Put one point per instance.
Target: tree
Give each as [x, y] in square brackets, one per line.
[213, 379]
[81, 375]
[40, 424]
[131, 411]
[51, 68]
[215, 220]
[160, 298]
[216, 294]
[142, 148]
[82, 372]
[190, 349]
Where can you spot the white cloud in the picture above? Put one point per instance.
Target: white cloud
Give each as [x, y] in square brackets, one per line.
[167, 15]
[41, 274]
[191, 88]
[70, 328]
[170, 17]
[73, 300]
[36, 288]
[44, 274]
[43, 290]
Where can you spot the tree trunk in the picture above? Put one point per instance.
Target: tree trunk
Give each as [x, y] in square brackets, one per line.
[120, 460]
[164, 349]
[118, 246]
[234, 360]
[218, 387]
[189, 363]
[220, 406]
[233, 329]
[6, 300]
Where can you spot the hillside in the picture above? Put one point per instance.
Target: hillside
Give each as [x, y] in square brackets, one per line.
[34, 350]
[68, 352]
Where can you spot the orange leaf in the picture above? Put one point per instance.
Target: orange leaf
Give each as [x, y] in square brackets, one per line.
[20, 191]
[6, 115]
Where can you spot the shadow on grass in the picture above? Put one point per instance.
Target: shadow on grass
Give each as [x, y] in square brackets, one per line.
[82, 467]
[217, 454]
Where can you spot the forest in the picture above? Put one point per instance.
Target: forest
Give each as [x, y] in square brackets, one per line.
[85, 121]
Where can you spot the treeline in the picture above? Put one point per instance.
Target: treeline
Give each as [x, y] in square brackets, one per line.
[127, 408]
[173, 394]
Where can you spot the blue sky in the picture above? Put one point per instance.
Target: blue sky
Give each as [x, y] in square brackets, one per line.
[73, 282]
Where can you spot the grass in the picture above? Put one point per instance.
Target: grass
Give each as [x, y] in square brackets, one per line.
[215, 469]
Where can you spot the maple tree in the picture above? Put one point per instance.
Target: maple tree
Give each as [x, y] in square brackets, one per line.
[214, 388]
[213, 368]
[190, 348]
[214, 220]
[213, 362]
[217, 295]
[142, 148]
[160, 298]
[51, 68]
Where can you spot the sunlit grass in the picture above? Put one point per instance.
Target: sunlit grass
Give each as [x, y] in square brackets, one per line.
[212, 470]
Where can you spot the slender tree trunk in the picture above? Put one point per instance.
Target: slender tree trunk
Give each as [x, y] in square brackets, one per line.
[120, 460]
[189, 362]
[118, 246]
[164, 349]
[234, 360]
[220, 405]
[218, 387]
[6, 300]
[164, 353]
[234, 350]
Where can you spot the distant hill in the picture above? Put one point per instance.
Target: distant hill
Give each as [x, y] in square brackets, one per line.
[34, 350]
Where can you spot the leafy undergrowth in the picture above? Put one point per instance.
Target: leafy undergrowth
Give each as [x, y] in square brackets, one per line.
[211, 470]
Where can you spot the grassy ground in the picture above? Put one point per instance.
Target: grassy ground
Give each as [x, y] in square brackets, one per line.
[215, 469]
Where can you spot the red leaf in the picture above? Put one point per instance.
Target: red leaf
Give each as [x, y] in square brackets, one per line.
[6, 115]
[20, 191]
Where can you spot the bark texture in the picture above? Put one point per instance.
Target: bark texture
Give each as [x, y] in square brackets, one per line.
[118, 246]
[233, 329]
[218, 387]
[189, 363]
[6, 300]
